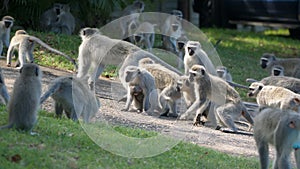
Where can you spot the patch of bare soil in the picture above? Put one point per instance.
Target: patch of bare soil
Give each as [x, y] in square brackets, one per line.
[109, 91]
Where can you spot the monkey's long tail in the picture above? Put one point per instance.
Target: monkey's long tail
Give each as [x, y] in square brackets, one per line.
[53, 50]
[52, 89]
[6, 126]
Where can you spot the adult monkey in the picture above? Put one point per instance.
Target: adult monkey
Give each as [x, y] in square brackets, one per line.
[5, 25]
[24, 43]
[97, 50]
[280, 128]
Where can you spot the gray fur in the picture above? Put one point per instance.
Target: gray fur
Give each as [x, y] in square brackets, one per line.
[24, 43]
[6, 24]
[291, 66]
[72, 96]
[136, 76]
[195, 55]
[25, 99]
[281, 128]
[210, 88]
[96, 51]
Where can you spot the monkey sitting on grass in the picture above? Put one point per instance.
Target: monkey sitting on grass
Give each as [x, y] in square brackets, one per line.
[25, 99]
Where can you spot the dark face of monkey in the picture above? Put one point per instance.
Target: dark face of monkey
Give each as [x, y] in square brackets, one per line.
[276, 72]
[7, 23]
[263, 63]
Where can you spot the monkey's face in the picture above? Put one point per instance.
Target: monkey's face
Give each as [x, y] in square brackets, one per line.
[196, 73]
[180, 45]
[131, 73]
[136, 90]
[277, 71]
[221, 72]
[191, 47]
[254, 89]
[8, 23]
[266, 60]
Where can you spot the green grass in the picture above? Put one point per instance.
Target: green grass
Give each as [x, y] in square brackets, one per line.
[61, 143]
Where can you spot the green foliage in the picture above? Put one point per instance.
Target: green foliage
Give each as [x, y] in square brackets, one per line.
[89, 12]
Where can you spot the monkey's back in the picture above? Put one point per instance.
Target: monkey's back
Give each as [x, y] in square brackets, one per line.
[275, 96]
[24, 102]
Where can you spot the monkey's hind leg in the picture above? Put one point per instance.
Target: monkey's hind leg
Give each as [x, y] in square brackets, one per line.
[58, 110]
[223, 116]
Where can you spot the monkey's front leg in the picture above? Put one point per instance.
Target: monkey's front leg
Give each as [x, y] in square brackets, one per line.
[129, 100]
[200, 111]
[190, 110]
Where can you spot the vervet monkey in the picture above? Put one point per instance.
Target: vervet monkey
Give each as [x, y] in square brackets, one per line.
[291, 66]
[137, 96]
[144, 36]
[290, 83]
[97, 50]
[195, 55]
[274, 96]
[170, 31]
[165, 81]
[277, 70]
[50, 16]
[6, 24]
[24, 43]
[132, 27]
[136, 76]
[25, 99]
[130, 13]
[280, 128]
[64, 23]
[177, 13]
[229, 106]
[72, 96]
[224, 73]
[4, 96]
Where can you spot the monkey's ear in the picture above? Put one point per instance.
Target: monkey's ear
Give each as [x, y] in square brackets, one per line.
[292, 124]
[297, 100]
[83, 32]
[21, 69]
[260, 87]
[37, 71]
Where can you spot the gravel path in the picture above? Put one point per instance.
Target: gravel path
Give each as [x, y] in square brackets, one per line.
[109, 91]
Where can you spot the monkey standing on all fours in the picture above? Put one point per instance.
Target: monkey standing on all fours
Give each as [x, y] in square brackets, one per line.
[97, 50]
[129, 14]
[291, 66]
[274, 96]
[210, 88]
[6, 24]
[280, 128]
[25, 99]
[290, 83]
[144, 36]
[171, 30]
[73, 96]
[24, 43]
